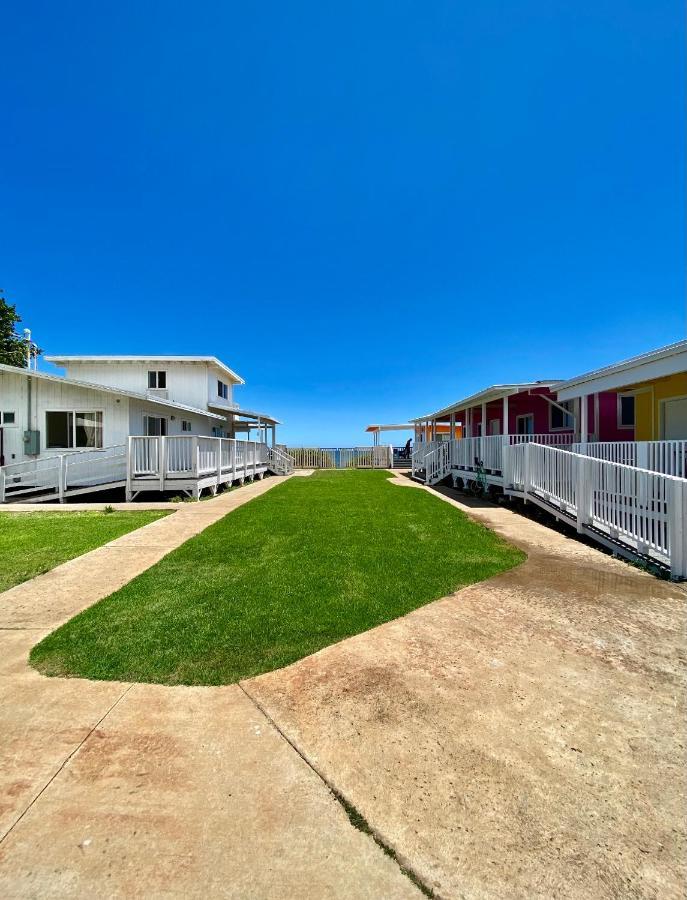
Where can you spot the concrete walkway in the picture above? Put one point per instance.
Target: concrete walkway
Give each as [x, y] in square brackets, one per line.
[119, 790]
[521, 738]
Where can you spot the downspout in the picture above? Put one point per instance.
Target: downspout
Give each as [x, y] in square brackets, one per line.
[28, 405]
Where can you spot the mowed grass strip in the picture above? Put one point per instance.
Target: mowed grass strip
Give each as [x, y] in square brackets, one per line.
[33, 543]
[313, 561]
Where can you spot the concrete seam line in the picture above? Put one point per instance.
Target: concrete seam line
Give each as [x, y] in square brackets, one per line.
[349, 808]
[64, 763]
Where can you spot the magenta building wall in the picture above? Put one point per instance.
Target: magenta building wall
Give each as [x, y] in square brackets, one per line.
[533, 403]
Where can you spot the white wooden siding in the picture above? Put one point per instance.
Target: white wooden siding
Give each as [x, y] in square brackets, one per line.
[187, 383]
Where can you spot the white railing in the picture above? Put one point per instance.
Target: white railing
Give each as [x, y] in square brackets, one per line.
[192, 457]
[380, 457]
[63, 472]
[420, 454]
[643, 511]
[667, 457]
[438, 462]
[280, 462]
[488, 452]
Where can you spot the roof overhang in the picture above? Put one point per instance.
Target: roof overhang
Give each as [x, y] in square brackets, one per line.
[106, 389]
[264, 418]
[488, 395]
[157, 360]
[670, 360]
[375, 429]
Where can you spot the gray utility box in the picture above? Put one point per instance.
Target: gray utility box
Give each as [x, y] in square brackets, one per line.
[32, 443]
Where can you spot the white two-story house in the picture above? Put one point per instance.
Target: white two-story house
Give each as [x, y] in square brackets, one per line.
[103, 401]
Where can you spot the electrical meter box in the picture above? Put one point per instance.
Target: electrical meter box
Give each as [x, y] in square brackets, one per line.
[32, 443]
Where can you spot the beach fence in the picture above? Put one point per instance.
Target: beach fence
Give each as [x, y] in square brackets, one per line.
[380, 457]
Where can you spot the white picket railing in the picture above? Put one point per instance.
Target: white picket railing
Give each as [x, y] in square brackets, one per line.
[191, 457]
[280, 461]
[668, 457]
[438, 462]
[379, 457]
[641, 510]
[76, 469]
[419, 456]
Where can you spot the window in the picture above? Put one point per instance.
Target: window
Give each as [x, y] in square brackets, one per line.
[222, 390]
[66, 430]
[524, 424]
[495, 426]
[154, 426]
[157, 379]
[7, 418]
[185, 425]
[626, 410]
[559, 420]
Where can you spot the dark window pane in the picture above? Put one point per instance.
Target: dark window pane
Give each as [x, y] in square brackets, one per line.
[8, 418]
[162, 379]
[152, 379]
[58, 426]
[627, 410]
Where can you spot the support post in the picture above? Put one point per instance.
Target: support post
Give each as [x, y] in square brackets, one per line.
[584, 490]
[162, 461]
[504, 424]
[62, 478]
[584, 422]
[129, 469]
[526, 467]
[677, 534]
[195, 450]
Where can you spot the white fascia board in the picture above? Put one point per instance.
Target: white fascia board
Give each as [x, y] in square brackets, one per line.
[626, 374]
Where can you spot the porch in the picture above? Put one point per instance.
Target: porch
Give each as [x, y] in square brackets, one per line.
[629, 496]
[182, 464]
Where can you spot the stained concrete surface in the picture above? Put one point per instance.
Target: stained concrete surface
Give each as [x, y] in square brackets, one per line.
[522, 738]
[109, 789]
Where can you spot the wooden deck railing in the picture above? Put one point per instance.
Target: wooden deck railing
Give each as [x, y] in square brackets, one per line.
[667, 457]
[642, 510]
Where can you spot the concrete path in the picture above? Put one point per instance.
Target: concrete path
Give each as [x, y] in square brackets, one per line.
[119, 790]
[522, 738]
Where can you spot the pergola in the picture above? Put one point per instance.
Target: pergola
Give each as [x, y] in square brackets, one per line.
[377, 430]
[246, 420]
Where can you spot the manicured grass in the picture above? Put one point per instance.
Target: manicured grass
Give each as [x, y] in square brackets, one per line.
[311, 562]
[33, 543]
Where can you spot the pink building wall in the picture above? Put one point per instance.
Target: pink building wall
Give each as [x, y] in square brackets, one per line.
[533, 403]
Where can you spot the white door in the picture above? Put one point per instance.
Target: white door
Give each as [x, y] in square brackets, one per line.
[675, 420]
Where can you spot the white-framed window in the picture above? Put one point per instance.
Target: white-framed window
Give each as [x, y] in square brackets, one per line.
[157, 379]
[626, 410]
[71, 429]
[559, 420]
[495, 426]
[8, 418]
[186, 425]
[222, 390]
[154, 426]
[524, 424]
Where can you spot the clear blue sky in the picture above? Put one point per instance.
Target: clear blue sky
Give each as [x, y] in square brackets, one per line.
[368, 209]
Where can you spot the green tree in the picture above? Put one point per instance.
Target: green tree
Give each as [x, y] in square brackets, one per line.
[12, 345]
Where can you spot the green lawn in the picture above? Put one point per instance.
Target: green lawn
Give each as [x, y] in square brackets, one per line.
[33, 543]
[311, 562]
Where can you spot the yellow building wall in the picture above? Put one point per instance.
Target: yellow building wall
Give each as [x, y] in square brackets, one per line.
[648, 421]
